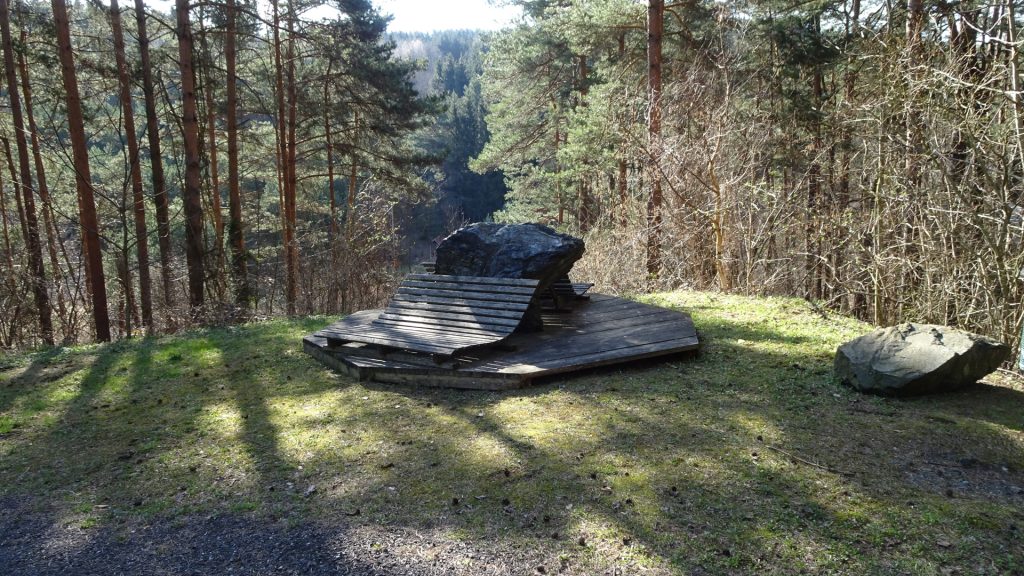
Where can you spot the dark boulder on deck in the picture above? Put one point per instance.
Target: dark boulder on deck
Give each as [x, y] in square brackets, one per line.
[508, 251]
[913, 359]
[530, 251]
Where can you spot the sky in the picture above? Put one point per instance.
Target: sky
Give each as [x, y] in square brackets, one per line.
[425, 15]
[431, 15]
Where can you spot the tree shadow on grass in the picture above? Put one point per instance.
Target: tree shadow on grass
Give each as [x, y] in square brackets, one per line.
[29, 382]
[115, 475]
[792, 470]
[415, 460]
[983, 402]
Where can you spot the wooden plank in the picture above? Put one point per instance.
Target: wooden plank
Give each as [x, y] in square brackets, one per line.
[403, 340]
[424, 325]
[607, 311]
[488, 288]
[446, 301]
[442, 319]
[475, 279]
[365, 355]
[633, 314]
[448, 337]
[413, 340]
[369, 338]
[595, 359]
[415, 334]
[463, 295]
[474, 311]
[430, 333]
[418, 330]
[581, 288]
[583, 343]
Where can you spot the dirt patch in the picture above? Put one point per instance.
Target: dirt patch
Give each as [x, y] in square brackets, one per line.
[966, 477]
[35, 542]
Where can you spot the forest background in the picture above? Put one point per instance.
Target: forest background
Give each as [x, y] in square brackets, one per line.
[233, 160]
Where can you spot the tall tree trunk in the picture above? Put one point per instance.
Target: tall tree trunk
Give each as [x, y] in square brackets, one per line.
[290, 174]
[13, 171]
[585, 213]
[815, 202]
[138, 200]
[236, 235]
[163, 221]
[353, 181]
[8, 252]
[83, 179]
[332, 232]
[558, 177]
[35, 252]
[655, 30]
[42, 188]
[622, 183]
[193, 179]
[211, 131]
[281, 131]
[914, 24]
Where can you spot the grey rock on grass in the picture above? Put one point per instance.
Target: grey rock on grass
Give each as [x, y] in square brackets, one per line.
[913, 359]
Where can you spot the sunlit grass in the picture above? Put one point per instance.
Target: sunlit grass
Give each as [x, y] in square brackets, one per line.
[747, 459]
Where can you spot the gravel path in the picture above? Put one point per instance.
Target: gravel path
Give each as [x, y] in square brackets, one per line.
[37, 543]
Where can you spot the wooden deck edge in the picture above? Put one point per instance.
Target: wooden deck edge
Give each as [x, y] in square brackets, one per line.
[474, 376]
[318, 350]
[496, 381]
[679, 350]
[416, 375]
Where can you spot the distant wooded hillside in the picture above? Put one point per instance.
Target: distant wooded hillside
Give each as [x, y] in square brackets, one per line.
[237, 159]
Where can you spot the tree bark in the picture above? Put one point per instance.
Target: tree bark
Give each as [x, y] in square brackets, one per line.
[622, 182]
[236, 234]
[585, 212]
[291, 246]
[163, 224]
[83, 179]
[211, 131]
[8, 253]
[193, 180]
[138, 200]
[281, 132]
[35, 252]
[353, 181]
[332, 232]
[558, 177]
[655, 31]
[42, 188]
[815, 203]
[915, 22]
[13, 171]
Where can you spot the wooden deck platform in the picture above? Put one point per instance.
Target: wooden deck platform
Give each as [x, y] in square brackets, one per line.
[604, 330]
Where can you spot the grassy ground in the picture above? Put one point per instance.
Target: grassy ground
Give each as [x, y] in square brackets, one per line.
[746, 459]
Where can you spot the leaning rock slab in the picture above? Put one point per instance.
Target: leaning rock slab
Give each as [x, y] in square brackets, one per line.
[913, 359]
[531, 251]
[508, 251]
